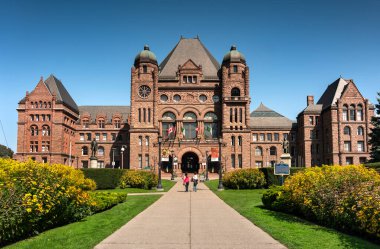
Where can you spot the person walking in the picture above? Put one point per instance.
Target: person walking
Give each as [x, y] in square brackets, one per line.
[195, 181]
[186, 182]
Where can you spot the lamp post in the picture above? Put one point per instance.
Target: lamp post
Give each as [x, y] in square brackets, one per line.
[172, 178]
[113, 158]
[206, 165]
[220, 186]
[122, 157]
[159, 185]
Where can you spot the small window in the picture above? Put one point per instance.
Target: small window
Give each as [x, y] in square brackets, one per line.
[84, 151]
[273, 151]
[164, 97]
[145, 69]
[235, 68]
[240, 141]
[254, 137]
[232, 141]
[311, 120]
[235, 92]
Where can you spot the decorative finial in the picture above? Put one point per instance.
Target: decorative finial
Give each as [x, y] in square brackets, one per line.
[41, 78]
[181, 37]
[233, 47]
[198, 37]
[146, 47]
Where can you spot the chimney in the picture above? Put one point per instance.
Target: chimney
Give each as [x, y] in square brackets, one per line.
[310, 100]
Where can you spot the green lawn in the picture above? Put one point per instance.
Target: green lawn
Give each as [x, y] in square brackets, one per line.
[291, 231]
[166, 184]
[91, 230]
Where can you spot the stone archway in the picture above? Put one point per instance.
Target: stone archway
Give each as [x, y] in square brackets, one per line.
[193, 152]
[190, 162]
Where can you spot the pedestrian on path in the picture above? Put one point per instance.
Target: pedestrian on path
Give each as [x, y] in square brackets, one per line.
[195, 181]
[186, 181]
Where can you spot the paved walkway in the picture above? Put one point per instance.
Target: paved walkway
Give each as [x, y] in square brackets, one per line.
[192, 220]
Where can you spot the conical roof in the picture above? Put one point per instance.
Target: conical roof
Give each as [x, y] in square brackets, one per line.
[189, 48]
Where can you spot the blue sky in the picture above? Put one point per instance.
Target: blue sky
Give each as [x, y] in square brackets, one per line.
[294, 48]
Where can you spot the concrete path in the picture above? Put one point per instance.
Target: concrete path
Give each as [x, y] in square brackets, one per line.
[192, 220]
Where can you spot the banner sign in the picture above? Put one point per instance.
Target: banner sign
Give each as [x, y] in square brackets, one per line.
[214, 154]
[281, 169]
[165, 155]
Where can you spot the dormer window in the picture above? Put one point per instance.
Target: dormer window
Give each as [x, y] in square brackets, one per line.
[190, 79]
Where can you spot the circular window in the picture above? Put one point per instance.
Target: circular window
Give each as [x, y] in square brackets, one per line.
[177, 98]
[202, 98]
[164, 97]
[144, 91]
[215, 98]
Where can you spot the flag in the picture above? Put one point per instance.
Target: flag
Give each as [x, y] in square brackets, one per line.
[170, 130]
[209, 129]
[183, 131]
[197, 130]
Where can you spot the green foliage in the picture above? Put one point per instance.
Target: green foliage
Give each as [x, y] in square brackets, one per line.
[344, 197]
[104, 178]
[105, 200]
[374, 135]
[5, 152]
[375, 166]
[272, 179]
[138, 179]
[36, 196]
[244, 179]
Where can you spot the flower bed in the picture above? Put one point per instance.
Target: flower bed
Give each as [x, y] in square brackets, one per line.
[244, 179]
[343, 197]
[36, 196]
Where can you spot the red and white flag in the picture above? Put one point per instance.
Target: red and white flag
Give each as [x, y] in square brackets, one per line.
[170, 130]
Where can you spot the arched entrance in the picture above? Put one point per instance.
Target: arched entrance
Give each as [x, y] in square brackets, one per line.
[190, 162]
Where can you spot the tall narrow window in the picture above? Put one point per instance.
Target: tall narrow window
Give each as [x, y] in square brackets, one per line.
[231, 115]
[140, 161]
[273, 151]
[347, 130]
[240, 161]
[146, 160]
[258, 151]
[190, 125]
[311, 120]
[360, 146]
[140, 140]
[84, 151]
[347, 146]
[235, 68]
[359, 113]
[352, 113]
[211, 125]
[145, 69]
[144, 114]
[147, 141]
[345, 113]
[360, 131]
[240, 140]
[236, 114]
[240, 115]
[233, 141]
[139, 114]
[233, 161]
[149, 115]
[169, 125]
[34, 130]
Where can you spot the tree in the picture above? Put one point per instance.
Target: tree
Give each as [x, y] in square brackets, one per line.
[375, 134]
[5, 151]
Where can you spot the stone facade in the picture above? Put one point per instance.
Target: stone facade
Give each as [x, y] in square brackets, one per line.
[192, 105]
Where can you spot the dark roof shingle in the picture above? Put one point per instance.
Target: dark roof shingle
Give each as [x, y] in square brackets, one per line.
[109, 111]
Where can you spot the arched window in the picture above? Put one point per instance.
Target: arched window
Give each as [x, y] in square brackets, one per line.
[258, 151]
[190, 127]
[273, 151]
[168, 125]
[84, 151]
[346, 130]
[211, 125]
[45, 130]
[101, 151]
[359, 112]
[360, 131]
[345, 113]
[235, 92]
[34, 130]
[352, 113]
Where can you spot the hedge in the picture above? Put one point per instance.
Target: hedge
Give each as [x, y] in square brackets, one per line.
[375, 166]
[105, 200]
[138, 179]
[272, 179]
[244, 179]
[343, 197]
[104, 178]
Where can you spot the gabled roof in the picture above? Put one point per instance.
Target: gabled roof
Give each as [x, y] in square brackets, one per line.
[189, 48]
[264, 117]
[333, 93]
[56, 87]
[109, 111]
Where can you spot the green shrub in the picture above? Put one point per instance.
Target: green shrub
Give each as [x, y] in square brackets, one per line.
[244, 179]
[138, 179]
[344, 197]
[36, 196]
[104, 178]
[105, 200]
[272, 179]
[375, 166]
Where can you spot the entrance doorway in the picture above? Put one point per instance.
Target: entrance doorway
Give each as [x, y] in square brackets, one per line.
[190, 162]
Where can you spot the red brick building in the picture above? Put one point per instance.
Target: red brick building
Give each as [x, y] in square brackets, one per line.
[195, 104]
